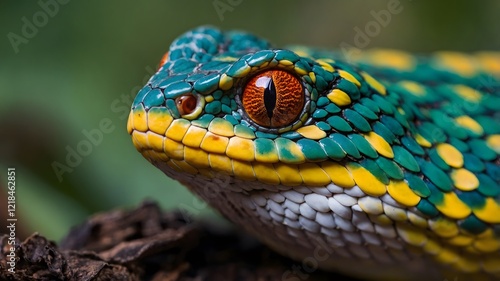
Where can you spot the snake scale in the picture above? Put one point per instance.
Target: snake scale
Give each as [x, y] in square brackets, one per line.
[382, 165]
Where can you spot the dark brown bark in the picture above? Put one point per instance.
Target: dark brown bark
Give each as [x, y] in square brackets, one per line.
[148, 244]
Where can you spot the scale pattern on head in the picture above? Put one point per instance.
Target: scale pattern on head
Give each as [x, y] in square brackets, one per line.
[421, 140]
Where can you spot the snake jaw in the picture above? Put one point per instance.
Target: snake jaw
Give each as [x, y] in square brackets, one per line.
[369, 160]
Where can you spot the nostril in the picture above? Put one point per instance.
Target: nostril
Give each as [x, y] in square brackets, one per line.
[186, 104]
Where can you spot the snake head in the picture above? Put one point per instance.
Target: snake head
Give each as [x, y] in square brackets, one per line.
[231, 103]
[357, 155]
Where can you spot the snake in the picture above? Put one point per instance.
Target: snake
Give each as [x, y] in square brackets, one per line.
[378, 164]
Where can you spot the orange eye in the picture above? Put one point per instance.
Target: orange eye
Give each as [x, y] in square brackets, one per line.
[163, 60]
[186, 104]
[273, 98]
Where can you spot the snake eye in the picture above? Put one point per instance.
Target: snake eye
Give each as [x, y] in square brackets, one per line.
[188, 106]
[163, 60]
[273, 98]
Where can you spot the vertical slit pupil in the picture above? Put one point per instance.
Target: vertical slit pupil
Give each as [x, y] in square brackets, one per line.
[270, 98]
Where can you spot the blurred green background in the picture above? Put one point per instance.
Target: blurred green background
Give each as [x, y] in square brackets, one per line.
[87, 59]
